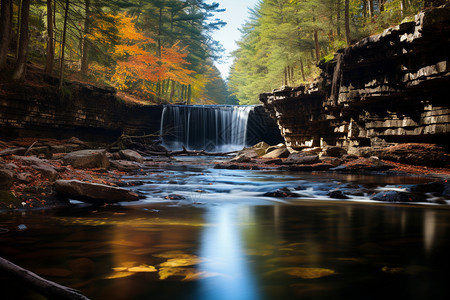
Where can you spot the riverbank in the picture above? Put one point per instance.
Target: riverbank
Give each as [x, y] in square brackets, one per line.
[36, 174]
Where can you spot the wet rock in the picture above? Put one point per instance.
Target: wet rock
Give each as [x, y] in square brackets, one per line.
[337, 195]
[131, 155]
[396, 196]
[246, 155]
[275, 147]
[436, 187]
[331, 160]
[335, 152]
[301, 159]
[349, 157]
[260, 148]
[277, 153]
[281, 193]
[6, 179]
[301, 168]
[84, 159]
[76, 141]
[124, 165]
[93, 192]
[130, 183]
[276, 161]
[175, 197]
[47, 171]
[363, 164]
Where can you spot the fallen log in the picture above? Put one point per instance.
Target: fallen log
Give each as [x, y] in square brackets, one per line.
[185, 152]
[43, 286]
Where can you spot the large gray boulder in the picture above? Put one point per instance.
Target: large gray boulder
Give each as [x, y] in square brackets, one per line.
[302, 159]
[124, 165]
[85, 159]
[93, 192]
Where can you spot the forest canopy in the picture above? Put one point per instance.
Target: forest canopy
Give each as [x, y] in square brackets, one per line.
[283, 40]
[161, 51]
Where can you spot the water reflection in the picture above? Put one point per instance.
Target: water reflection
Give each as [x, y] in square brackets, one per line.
[222, 248]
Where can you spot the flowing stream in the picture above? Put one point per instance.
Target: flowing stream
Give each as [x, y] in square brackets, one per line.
[208, 234]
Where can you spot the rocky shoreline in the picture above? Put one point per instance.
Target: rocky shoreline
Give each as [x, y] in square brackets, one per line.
[49, 173]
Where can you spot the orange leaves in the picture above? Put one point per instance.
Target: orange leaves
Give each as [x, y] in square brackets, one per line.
[138, 65]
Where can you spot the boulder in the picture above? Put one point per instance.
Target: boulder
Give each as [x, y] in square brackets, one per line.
[6, 179]
[84, 159]
[364, 164]
[336, 194]
[277, 153]
[436, 187]
[260, 148]
[281, 193]
[272, 148]
[131, 155]
[246, 155]
[395, 196]
[48, 172]
[301, 159]
[124, 165]
[93, 192]
[334, 152]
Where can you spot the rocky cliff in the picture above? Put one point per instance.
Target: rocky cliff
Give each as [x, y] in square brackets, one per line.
[386, 89]
[86, 111]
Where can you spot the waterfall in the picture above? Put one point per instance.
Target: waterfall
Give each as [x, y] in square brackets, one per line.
[204, 127]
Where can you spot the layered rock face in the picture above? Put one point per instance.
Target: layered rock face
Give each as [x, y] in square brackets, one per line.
[89, 112]
[386, 89]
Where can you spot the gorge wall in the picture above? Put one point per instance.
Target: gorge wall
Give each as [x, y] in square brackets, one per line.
[34, 109]
[386, 89]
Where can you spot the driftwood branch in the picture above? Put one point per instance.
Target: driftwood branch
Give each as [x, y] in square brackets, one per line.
[43, 286]
[186, 152]
[29, 149]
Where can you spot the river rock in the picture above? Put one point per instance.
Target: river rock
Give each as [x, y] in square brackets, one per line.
[275, 147]
[396, 196]
[124, 165]
[281, 193]
[246, 155]
[6, 179]
[84, 159]
[47, 171]
[93, 192]
[301, 159]
[436, 187]
[131, 155]
[364, 164]
[334, 152]
[337, 195]
[277, 153]
[260, 148]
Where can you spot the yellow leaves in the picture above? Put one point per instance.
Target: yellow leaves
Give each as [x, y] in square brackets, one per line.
[305, 273]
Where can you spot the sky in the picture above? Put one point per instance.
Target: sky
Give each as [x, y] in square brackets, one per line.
[235, 15]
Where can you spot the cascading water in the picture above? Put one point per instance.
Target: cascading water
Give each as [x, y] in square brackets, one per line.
[205, 127]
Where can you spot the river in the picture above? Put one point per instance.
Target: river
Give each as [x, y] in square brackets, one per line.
[204, 234]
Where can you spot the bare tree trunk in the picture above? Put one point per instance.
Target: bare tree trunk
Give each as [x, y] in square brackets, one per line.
[316, 43]
[338, 18]
[85, 49]
[50, 39]
[381, 3]
[189, 94]
[371, 13]
[172, 91]
[5, 31]
[45, 287]
[302, 69]
[63, 44]
[347, 22]
[20, 70]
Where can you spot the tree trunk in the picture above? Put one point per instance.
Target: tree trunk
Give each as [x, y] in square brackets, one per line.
[19, 72]
[50, 39]
[85, 49]
[5, 31]
[316, 43]
[371, 13]
[63, 44]
[45, 287]
[381, 3]
[172, 90]
[338, 18]
[347, 22]
[365, 9]
[189, 94]
[302, 69]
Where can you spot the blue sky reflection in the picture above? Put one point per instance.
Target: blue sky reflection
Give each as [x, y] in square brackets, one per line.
[223, 250]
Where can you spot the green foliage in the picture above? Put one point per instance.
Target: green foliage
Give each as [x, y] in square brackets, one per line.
[278, 39]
